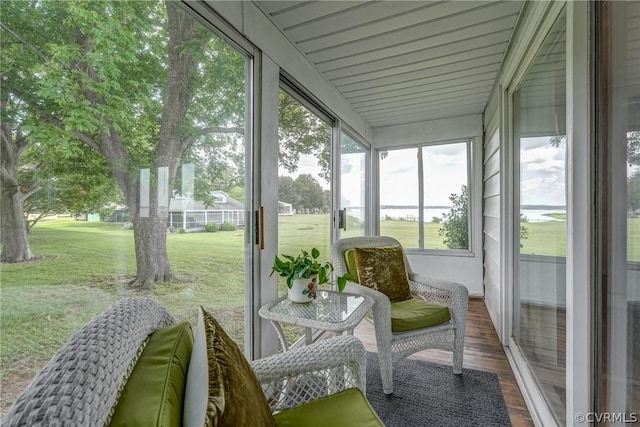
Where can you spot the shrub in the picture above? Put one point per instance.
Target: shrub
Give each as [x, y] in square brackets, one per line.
[436, 220]
[211, 227]
[182, 230]
[228, 226]
[455, 227]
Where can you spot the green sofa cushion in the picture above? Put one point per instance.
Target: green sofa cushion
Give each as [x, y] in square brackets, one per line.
[416, 313]
[155, 390]
[350, 260]
[345, 409]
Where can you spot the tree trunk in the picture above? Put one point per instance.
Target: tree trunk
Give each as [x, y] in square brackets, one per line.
[151, 232]
[151, 251]
[13, 229]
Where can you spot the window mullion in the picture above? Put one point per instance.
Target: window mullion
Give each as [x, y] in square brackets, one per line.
[420, 200]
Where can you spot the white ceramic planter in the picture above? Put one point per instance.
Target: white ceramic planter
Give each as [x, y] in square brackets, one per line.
[303, 290]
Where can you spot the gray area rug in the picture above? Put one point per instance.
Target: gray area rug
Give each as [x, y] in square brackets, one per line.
[428, 394]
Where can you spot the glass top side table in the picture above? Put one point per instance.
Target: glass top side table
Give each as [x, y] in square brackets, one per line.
[330, 311]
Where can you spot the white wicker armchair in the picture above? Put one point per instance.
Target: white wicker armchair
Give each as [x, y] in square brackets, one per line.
[393, 346]
[297, 376]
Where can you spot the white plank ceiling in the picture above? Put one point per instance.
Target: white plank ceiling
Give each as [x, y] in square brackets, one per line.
[399, 62]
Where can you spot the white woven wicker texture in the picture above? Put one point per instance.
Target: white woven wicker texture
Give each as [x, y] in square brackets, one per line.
[394, 346]
[79, 385]
[329, 366]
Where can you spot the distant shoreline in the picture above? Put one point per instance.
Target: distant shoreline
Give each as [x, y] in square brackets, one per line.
[527, 207]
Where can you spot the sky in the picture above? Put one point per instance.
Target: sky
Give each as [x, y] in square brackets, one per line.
[542, 171]
[445, 171]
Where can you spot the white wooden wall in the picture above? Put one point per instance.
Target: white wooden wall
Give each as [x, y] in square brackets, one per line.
[491, 218]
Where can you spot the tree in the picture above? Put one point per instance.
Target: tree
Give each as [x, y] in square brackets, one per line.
[139, 85]
[633, 192]
[311, 196]
[455, 224]
[75, 185]
[304, 193]
[302, 132]
[124, 79]
[288, 192]
[633, 147]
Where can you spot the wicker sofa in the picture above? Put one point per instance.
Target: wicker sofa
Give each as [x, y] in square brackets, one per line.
[82, 384]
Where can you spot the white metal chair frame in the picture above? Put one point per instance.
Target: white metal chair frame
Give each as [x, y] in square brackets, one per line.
[394, 346]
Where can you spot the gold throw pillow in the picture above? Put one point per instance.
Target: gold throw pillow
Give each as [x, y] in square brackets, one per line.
[235, 395]
[383, 269]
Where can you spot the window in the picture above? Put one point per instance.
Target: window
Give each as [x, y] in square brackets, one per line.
[119, 185]
[353, 186]
[540, 236]
[424, 196]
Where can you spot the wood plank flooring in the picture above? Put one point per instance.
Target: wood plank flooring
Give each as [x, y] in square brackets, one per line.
[482, 351]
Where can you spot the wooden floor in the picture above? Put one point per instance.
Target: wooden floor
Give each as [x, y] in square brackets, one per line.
[482, 351]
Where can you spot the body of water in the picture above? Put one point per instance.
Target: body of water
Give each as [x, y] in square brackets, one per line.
[408, 214]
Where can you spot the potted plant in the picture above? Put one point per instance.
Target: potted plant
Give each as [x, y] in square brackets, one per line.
[304, 273]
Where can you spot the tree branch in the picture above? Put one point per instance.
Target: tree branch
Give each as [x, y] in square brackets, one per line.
[33, 190]
[218, 129]
[6, 178]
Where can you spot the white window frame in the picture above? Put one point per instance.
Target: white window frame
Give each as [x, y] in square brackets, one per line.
[470, 142]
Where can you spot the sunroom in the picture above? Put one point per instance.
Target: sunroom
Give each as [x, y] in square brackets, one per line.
[497, 141]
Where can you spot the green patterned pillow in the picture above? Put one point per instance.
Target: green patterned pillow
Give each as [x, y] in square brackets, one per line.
[383, 269]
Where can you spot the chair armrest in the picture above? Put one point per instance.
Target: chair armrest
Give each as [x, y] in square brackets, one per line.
[326, 367]
[381, 312]
[443, 292]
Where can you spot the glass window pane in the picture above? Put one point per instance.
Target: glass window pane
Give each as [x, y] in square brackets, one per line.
[124, 184]
[353, 158]
[540, 243]
[399, 203]
[619, 131]
[446, 197]
[304, 187]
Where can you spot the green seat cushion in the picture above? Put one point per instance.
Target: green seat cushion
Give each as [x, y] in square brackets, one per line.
[416, 313]
[350, 260]
[345, 409]
[155, 390]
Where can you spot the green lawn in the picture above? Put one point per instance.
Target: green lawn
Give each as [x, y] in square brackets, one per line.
[85, 266]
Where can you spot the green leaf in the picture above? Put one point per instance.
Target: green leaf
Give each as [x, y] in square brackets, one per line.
[315, 253]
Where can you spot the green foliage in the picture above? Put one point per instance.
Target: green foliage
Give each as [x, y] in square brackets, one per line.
[304, 266]
[633, 147]
[301, 132]
[436, 220]
[227, 226]
[304, 193]
[455, 227]
[181, 230]
[211, 227]
[633, 192]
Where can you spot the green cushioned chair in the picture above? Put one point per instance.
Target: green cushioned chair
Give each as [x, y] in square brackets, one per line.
[349, 408]
[416, 313]
[434, 317]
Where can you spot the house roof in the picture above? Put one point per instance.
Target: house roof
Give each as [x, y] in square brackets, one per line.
[222, 202]
[399, 62]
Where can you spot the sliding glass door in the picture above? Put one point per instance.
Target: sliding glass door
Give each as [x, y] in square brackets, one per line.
[352, 217]
[539, 302]
[133, 184]
[618, 369]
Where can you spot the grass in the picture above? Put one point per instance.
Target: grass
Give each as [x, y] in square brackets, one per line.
[84, 267]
